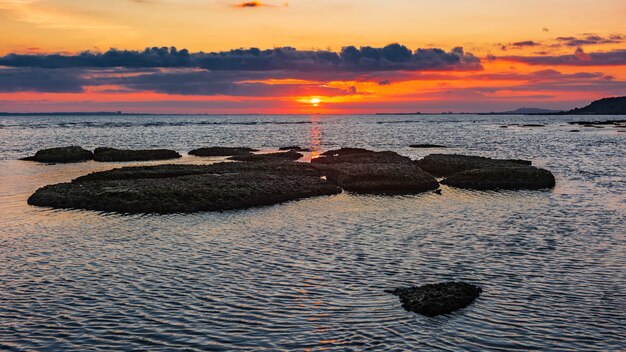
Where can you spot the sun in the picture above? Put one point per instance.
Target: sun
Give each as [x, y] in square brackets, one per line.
[315, 101]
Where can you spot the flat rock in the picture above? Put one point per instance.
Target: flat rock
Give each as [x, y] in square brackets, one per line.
[112, 154]
[71, 154]
[371, 172]
[426, 146]
[186, 188]
[269, 157]
[344, 151]
[295, 148]
[436, 299]
[497, 178]
[221, 151]
[448, 164]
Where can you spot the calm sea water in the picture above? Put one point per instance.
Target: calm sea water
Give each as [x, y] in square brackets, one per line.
[309, 275]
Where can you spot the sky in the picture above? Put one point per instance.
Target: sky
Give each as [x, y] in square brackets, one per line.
[309, 56]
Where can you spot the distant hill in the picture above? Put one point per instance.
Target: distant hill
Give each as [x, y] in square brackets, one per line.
[532, 111]
[606, 106]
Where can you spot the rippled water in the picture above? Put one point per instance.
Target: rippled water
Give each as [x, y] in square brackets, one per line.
[310, 275]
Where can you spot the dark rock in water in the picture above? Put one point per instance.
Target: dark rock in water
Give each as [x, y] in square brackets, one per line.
[436, 299]
[383, 178]
[574, 130]
[295, 148]
[426, 145]
[112, 154]
[448, 164]
[221, 151]
[437, 191]
[72, 154]
[270, 157]
[502, 177]
[365, 156]
[344, 151]
[186, 188]
[375, 173]
[533, 125]
[504, 126]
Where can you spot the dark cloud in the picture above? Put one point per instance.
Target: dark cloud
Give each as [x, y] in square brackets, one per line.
[250, 4]
[390, 57]
[579, 58]
[525, 43]
[41, 80]
[384, 82]
[591, 39]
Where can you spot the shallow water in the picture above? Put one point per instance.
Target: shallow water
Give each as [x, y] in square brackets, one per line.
[311, 274]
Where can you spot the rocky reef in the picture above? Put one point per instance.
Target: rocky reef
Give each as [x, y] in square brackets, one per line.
[364, 171]
[113, 154]
[186, 188]
[436, 299]
[268, 157]
[480, 173]
[71, 154]
[221, 151]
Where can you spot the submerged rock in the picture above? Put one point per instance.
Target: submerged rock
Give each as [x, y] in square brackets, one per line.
[71, 154]
[295, 148]
[448, 164]
[426, 145]
[112, 154]
[364, 171]
[269, 157]
[221, 151]
[436, 299]
[186, 188]
[495, 178]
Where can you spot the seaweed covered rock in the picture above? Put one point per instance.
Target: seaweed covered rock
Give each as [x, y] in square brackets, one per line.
[437, 299]
[495, 178]
[113, 154]
[364, 171]
[186, 188]
[269, 157]
[448, 164]
[221, 151]
[71, 154]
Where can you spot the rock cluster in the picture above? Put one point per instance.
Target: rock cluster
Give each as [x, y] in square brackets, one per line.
[437, 299]
[186, 188]
[475, 172]
[364, 171]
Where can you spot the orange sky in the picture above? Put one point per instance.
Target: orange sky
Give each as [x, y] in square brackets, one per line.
[549, 53]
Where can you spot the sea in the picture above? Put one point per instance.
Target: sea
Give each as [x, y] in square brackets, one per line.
[311, 275]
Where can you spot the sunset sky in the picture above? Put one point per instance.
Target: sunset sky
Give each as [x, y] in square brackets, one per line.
[313, 56]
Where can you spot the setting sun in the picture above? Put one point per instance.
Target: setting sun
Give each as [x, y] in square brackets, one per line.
[315, 101]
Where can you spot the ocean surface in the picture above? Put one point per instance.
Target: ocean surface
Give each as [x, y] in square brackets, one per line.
[310, 275]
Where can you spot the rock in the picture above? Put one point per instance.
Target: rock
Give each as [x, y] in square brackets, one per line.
[221, 151]
[574, 130]
[270, 157]
[448, 164]
[112, 154]
[72, 154]
[345, 151]
[533, 125]
[436, 299]
[186, 188]
[426, 145]
[502, 177]
[295, 149]
[371, 172]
